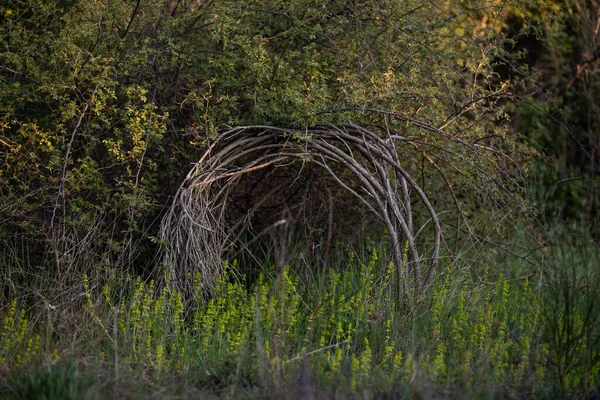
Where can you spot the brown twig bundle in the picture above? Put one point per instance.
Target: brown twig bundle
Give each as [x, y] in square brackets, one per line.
[198, 234]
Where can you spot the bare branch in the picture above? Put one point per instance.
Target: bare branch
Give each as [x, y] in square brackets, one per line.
[199, 232]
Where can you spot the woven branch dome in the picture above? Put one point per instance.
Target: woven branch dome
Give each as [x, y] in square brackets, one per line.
[199, 233]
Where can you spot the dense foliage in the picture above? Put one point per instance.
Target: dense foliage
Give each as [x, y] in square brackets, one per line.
[105, 105]
[343, 335]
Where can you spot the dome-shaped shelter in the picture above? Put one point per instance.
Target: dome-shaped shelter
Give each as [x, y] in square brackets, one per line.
[200, 231]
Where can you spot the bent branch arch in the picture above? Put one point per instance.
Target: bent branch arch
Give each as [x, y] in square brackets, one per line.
[198, 235]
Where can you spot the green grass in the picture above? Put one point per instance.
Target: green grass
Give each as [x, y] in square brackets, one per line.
[56, 381]
[478, 333]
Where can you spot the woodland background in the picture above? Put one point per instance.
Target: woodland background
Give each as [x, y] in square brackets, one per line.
[105, 105]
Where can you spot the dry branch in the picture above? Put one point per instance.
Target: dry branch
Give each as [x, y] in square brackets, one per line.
[199, 231]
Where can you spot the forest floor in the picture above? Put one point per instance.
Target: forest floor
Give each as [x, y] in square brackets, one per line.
[491, 326]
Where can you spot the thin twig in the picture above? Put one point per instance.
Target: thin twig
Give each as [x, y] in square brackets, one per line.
[310, 353]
